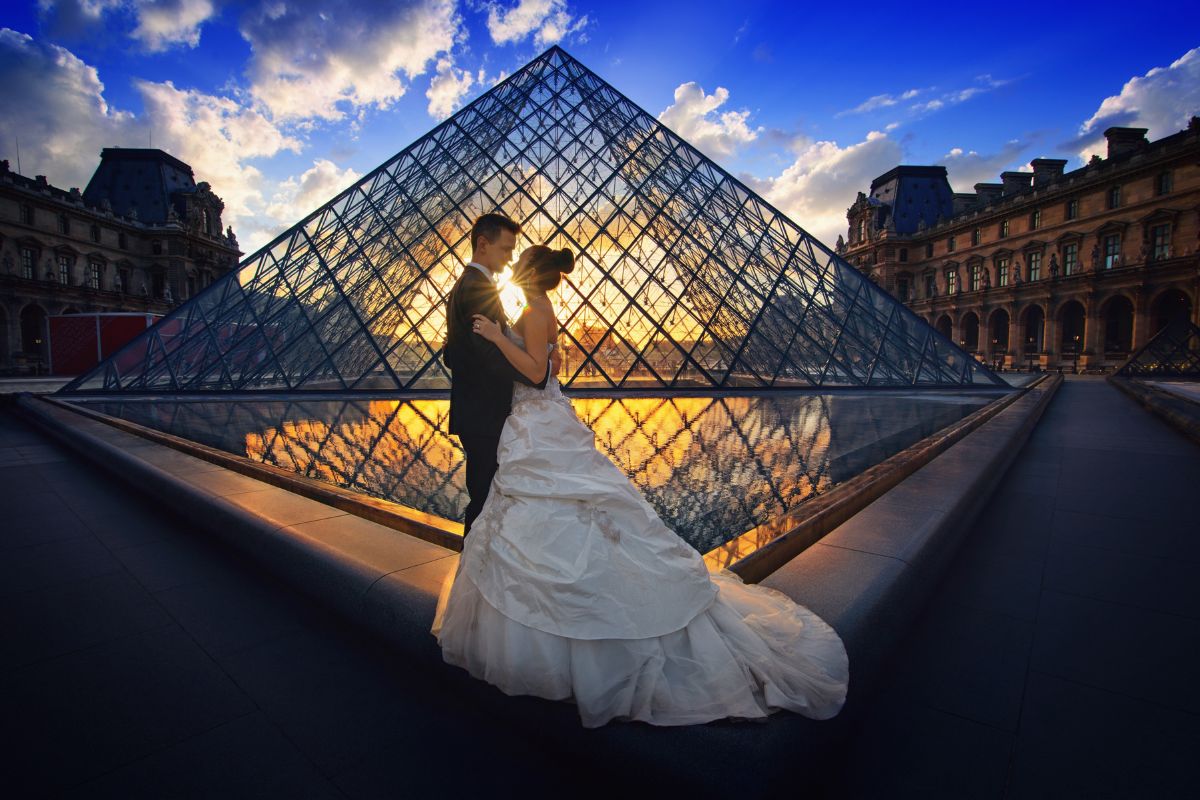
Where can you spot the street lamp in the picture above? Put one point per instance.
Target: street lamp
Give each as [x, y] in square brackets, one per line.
[995, 355]
[1029, 355]
[1075, 369]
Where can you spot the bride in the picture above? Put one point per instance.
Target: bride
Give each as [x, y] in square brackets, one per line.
[571, 588]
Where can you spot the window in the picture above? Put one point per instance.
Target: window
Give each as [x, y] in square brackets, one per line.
[861, 231]
[191, 285]
[124, 276]
[28, 263]
[1112, 251]
[1070, 258]
[1163, 184]
[156, 247]
[1035, 266]
[1114, 197]
[930, 285]
[904, 254]
[95, 233]
[1073, 208]
[1004, 229]
[64, 224]
[95, 268]
[158, 284]
[1002, 272]
[1035, 219]
[64, 270]
[121, 241]
[975, 236]
[951, 281]
[976, 277]
[26, 215]
[929, 250]
[950, 245]
[1160, 240]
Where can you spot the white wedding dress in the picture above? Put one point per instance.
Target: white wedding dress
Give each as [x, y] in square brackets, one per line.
[570, 587]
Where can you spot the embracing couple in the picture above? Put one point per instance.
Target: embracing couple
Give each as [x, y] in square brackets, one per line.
[569, 586]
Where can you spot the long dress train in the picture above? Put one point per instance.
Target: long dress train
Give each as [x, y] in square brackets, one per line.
[570, 587]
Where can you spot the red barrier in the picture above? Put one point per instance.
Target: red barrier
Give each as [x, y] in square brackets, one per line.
[79, 342]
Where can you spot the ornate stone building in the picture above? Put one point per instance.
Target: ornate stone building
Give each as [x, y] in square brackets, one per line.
[143, 236]
[1046, 268]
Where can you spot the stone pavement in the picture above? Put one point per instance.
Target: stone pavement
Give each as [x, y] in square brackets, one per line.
[1059, 657]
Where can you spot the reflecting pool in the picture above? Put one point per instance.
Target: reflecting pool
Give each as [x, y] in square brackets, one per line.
[713, 467]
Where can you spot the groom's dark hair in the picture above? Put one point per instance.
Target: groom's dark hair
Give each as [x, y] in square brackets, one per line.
[489, 226]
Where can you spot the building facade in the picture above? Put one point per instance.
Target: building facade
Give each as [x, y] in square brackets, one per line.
[143, 236]
[1047, 268]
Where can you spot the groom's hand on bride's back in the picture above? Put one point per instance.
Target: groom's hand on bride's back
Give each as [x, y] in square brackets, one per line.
[555, 361]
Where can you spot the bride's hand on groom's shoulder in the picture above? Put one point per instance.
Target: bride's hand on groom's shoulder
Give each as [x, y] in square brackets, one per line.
[486, 328]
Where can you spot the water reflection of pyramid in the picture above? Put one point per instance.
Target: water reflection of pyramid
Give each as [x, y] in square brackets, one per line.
[685, 278]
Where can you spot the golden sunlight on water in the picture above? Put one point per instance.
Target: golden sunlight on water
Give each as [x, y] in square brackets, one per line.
[725, 473]
[712, 467]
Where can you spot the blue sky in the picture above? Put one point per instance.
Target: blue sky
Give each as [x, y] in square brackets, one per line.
[279, 104]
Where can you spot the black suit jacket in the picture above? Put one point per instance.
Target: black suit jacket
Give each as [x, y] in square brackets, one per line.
[481, 378]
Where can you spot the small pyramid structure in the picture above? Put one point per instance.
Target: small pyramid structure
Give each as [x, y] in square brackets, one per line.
[1174, 352]
[684, 277]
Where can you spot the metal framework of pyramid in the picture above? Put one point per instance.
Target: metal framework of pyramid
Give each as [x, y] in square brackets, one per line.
[1174, 352]
[684, 277]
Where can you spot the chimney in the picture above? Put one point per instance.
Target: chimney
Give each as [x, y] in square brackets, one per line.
[1047, 170]
[1015, 182]
[987, 192]
[40, 180]
[1125, 140]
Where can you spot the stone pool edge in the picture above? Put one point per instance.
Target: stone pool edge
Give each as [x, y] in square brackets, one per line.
[868, 578]
[1174, 409]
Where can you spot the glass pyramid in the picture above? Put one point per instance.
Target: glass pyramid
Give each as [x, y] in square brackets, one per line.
[1174, 352]
[684, 277]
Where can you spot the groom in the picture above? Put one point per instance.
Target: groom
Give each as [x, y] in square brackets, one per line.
[480, 376]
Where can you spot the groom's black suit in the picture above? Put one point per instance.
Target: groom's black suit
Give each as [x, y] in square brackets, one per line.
[481, 382]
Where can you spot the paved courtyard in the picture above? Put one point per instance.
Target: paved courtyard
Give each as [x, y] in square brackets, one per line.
[1057, 658]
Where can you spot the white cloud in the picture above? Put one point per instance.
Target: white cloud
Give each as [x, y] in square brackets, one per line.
[162, 23]
[1162, 100]
[158, 24]
[67, 122]
[299, 195]
[74, 18]
[447, 89]
[694, 116]
[548, 20]
[967, 168]
[879, 101]
[984, 84]
[322, 58]
[64, 120]
[819, 185]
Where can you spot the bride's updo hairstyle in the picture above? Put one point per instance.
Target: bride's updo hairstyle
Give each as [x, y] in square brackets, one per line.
[545, 268]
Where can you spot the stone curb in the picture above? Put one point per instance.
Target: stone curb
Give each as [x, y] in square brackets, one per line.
[1178, 412]
[868, 578]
